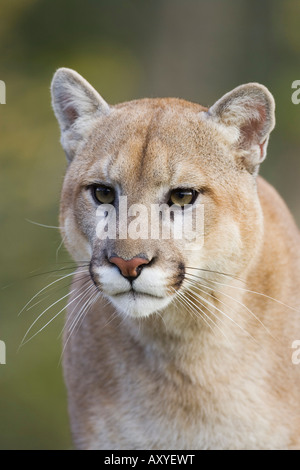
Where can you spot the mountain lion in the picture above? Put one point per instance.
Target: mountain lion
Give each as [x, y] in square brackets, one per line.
[172, 342]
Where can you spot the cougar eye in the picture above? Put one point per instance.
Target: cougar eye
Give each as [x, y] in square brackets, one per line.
[103, 194]
[181, 196]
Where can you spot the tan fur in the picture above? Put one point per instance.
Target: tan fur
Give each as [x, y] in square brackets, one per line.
[186, 375]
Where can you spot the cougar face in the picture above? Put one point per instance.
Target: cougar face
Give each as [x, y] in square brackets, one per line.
[146, 165]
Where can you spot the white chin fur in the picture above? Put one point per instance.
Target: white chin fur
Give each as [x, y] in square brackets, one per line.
[138, 305]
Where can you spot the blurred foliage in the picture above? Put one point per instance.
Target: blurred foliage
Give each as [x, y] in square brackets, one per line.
[194, 49]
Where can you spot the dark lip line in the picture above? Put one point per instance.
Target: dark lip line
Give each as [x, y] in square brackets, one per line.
[132, 291]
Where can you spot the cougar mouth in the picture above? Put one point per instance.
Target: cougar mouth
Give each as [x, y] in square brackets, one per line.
[132, 291]
[137, 294]
[137, 303]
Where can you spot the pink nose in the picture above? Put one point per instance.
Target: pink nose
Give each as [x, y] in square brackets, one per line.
[129, 268]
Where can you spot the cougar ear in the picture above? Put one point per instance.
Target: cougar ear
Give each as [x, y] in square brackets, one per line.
[76, 104]
[249, 110]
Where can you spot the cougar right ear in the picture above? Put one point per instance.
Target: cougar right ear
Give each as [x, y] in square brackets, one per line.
[76, 103]
[249, 111]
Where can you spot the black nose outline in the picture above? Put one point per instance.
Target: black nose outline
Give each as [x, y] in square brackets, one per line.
[129, 269]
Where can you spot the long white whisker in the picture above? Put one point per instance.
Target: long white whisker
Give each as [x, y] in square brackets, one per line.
[41, 314]
[84, 291]
[197, 283]
[82, 313]
[48, 308]
[84, 294]
[192, 308]
[250, 291]
[196, 310]
[115, 314]
[59, 247]
[38, 302]
[42, 225]
[49, 285]
[43, 298]
[223, 313]
[216, 272]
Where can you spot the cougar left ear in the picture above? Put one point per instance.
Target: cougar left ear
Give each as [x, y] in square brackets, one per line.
[76, 103]
[250, 110]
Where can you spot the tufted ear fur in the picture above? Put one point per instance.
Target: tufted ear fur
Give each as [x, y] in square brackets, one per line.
[76, 105]
[249, 112]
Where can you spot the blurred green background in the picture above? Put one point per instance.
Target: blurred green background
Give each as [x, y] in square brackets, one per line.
[196, 50]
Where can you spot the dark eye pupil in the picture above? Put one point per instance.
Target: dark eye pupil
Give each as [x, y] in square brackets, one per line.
[104, 191]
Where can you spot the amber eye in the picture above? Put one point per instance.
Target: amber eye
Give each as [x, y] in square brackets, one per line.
[181, 196]
[103, 194]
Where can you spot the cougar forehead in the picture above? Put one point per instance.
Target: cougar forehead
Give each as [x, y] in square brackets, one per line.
[150, 143]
